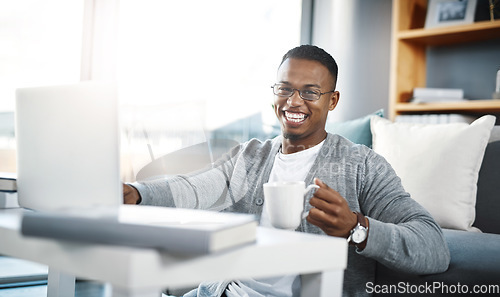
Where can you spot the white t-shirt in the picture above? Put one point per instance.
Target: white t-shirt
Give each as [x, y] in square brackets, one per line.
[286, 167]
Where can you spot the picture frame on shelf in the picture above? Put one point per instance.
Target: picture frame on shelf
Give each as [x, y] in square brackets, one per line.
[442, 13]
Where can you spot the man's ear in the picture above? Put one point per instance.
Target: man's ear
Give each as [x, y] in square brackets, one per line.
[334, 99]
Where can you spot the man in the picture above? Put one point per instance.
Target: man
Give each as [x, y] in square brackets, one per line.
[359, 198]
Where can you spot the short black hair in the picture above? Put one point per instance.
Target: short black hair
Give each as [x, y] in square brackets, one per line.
[314, 53]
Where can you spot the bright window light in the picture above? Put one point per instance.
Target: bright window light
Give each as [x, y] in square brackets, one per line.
[222, 54]
[188, 68]
[40, 44]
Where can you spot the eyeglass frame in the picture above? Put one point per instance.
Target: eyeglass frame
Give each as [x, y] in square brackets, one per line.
[300, 93]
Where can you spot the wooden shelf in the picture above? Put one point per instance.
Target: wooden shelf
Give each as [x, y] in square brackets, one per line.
[409, 44]
[470, 106]
[453, 34]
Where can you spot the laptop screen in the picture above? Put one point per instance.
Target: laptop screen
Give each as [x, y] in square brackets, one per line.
[68, 146]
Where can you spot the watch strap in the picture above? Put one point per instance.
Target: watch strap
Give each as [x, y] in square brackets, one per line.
[361, 219]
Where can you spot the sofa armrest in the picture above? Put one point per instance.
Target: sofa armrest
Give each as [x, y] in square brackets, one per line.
[475, 260]
[475, 257]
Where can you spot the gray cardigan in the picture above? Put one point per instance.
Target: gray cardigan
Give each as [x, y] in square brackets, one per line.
[402, 234]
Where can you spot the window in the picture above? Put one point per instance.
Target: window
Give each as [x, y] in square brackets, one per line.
[41, 44]
[187, 70]
[192, 70]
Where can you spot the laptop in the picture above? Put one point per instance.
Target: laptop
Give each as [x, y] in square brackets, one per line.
[68, 147]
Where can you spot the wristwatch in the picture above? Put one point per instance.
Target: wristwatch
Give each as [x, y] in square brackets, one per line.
[360, 232]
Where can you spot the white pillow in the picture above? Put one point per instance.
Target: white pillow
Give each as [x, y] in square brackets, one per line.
[438, 164]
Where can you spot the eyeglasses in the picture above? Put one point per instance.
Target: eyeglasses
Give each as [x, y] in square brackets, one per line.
[310, 94]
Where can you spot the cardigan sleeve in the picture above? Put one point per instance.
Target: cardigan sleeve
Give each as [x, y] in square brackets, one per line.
[402, 234]
[232, 183]
[203, 189]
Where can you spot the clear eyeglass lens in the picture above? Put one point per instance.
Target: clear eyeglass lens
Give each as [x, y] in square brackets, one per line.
[283, 91]
[308, 94]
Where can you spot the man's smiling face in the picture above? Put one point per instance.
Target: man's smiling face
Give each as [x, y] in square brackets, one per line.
[302, 121]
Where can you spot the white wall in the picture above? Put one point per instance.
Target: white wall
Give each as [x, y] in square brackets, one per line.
[357, 34]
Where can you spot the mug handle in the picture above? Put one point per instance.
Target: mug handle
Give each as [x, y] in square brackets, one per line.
[310, 187]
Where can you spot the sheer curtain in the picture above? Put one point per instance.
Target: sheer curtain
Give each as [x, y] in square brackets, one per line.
[99, 40]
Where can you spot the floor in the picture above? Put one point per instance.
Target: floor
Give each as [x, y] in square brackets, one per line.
[21, 278]
[82, 289]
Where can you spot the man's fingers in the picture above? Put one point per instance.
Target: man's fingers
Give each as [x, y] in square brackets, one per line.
[320, 183]
[326, 193]
[324, 205]
[130, 195]
[328, 223]
[329, 211]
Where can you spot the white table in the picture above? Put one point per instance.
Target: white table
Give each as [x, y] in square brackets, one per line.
[134, 272]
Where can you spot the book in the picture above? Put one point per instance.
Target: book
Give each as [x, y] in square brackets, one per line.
[435, 118]
[176, 230]
[8, 182]
[425, 95]
[8, 200]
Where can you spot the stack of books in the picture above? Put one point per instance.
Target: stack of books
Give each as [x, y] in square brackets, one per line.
[435, 118]
[8, 190]
[427, 95]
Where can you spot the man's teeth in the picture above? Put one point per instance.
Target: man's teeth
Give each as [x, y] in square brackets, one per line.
[295, 117]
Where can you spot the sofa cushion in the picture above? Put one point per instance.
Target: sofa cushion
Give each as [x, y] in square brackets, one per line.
[474, 261]
[438, 164]
[488, 191]
[495, 134]
[357, 130]
[474, 257]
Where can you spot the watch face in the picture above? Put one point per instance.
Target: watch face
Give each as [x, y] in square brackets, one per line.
[359, 235]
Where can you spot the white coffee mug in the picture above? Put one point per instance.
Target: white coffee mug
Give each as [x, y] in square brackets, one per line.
[284, 202]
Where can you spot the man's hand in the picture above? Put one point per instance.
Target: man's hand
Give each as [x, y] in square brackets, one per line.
[331, 212]
[130, 195]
